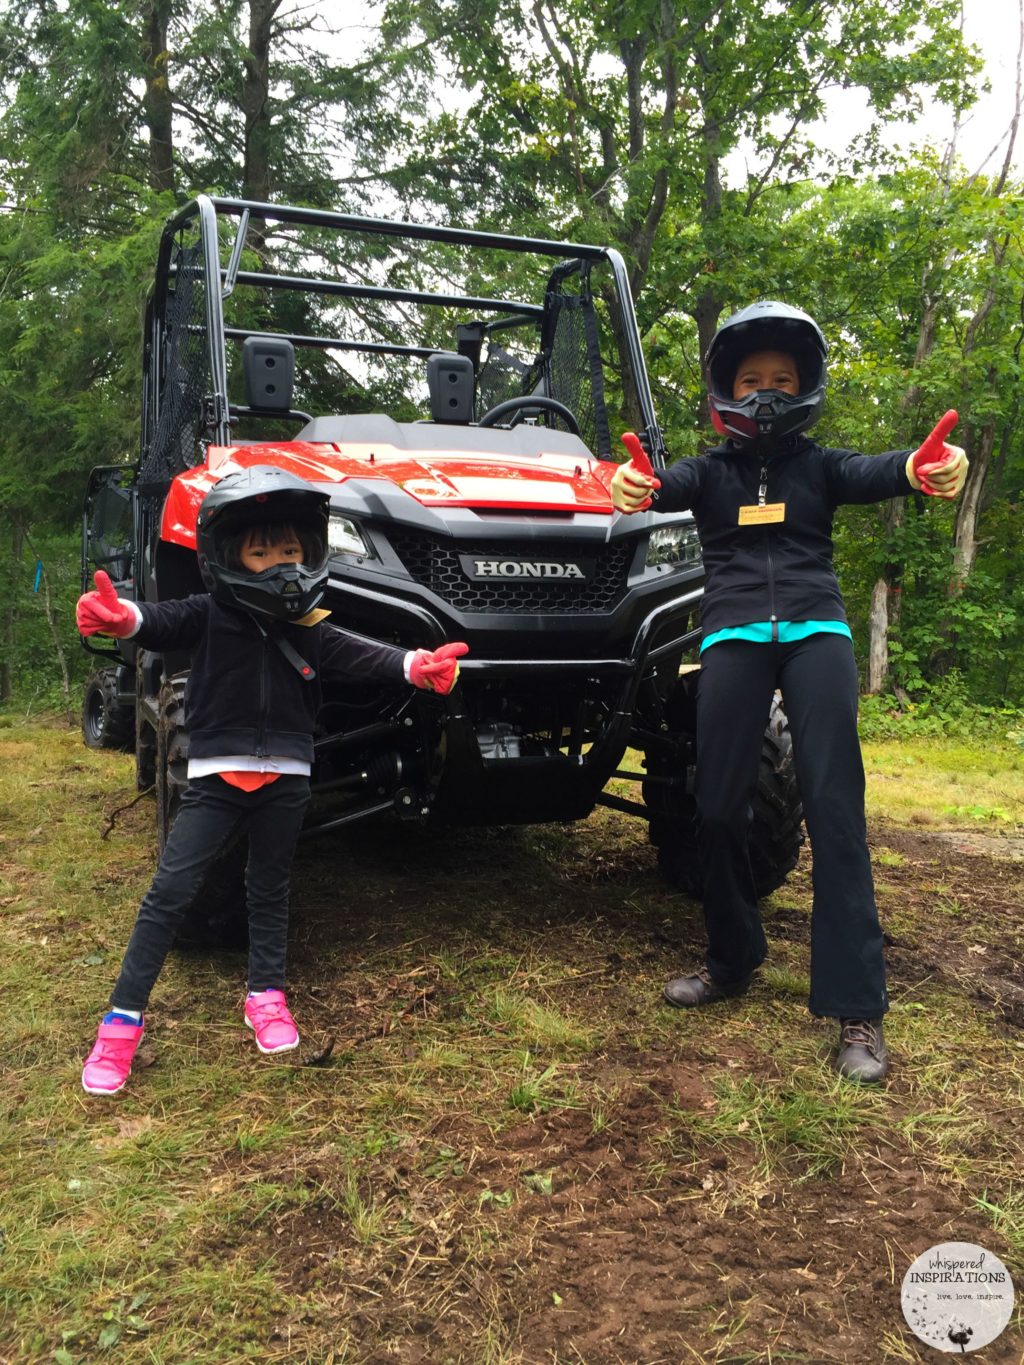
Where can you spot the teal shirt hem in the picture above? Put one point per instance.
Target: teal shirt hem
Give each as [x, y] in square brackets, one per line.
[760, 632]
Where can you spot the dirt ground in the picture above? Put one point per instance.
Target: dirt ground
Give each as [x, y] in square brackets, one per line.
[515, 1153]
[634, 1247]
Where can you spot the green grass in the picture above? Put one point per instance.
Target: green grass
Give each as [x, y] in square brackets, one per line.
[540, 1026]
[1008, 1216]
[887, 857]
[504, 1081]
[946, 786]
[786, 981]
[800, 1121]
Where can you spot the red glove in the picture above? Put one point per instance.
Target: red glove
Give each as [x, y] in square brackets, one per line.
[934, 453]
[435, 670]
[102, 612]
[634, 481]
[641, 460]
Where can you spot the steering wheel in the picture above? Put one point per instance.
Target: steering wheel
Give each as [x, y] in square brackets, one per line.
[525, 402]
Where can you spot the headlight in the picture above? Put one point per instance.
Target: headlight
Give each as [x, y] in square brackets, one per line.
[674, 545]
[345, 538]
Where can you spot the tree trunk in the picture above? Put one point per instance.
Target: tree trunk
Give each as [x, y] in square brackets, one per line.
[256, 101]
[157, 104]
[878, 641]
[885, 596]
[708, 306]
[886, 601]
[887, 590]
[965, 535]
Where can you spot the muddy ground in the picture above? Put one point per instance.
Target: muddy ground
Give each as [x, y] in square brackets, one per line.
[637, 1241]
[497, 1145]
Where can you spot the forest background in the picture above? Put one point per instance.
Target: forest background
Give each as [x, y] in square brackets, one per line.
[685, 134]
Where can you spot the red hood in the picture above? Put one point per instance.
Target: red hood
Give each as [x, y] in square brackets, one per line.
[549, 483]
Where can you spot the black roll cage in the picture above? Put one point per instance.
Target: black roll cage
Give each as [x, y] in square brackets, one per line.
[220, 282]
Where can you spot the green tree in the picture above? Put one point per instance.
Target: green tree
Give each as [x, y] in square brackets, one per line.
[111, 111]
[614, 121]
[902, 354]
[619, 123]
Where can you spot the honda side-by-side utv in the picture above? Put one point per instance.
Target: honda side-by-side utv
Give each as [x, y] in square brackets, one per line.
[479, 512]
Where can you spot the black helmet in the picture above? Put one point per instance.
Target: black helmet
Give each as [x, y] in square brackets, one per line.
[767, 416]
[263, 496]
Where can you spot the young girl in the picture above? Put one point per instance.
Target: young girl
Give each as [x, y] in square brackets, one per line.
[258, 652]
[773, 616]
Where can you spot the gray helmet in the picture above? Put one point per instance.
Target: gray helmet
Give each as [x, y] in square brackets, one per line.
[264, 495]
[766, 417]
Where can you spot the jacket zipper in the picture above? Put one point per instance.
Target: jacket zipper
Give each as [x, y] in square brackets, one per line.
[261, 734]
[761, 495]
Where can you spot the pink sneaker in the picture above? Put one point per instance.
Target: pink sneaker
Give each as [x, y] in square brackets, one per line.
[267, 1015]
[109, 1064]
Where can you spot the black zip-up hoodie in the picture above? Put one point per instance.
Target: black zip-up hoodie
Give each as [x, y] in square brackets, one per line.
[243, 696]
[780, 571]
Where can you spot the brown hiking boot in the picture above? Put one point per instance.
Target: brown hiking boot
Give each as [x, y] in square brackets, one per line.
[687, 991]
[862, 1055]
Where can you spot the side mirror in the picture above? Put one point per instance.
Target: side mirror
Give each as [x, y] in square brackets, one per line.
[451, 382]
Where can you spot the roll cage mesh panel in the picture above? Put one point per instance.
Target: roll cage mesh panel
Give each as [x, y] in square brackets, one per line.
[568, 366]
[182, 357]
[576, 377]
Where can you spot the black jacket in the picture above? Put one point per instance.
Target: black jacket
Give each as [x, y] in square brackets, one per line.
[781, 571]
[243, 696]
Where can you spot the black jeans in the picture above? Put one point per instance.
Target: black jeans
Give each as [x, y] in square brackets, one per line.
[211, 816]
[818, 681]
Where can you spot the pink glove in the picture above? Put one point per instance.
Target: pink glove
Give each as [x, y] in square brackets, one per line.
[435, 670]
[102, 612]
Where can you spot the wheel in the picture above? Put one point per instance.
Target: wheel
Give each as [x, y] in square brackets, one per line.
[217, 918]
[776, 828]
[171, 766]
[524, 404]
[106, 724]
[145, 740]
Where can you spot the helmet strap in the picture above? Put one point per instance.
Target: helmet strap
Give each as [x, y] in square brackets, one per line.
[305, 670]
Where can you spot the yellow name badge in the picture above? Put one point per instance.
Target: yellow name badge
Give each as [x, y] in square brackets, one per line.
[758, 516]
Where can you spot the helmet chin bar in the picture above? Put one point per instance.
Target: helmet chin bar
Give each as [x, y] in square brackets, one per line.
[284, 592]
[764, 418]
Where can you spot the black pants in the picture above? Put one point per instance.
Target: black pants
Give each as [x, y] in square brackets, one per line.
[818, 680]
[212, 814]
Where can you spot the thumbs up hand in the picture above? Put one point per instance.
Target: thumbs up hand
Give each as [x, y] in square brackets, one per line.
[936, 468]
[102, 612]
[634, 482]
[437, 670]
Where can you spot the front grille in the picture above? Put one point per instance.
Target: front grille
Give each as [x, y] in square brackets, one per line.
[435, 564]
